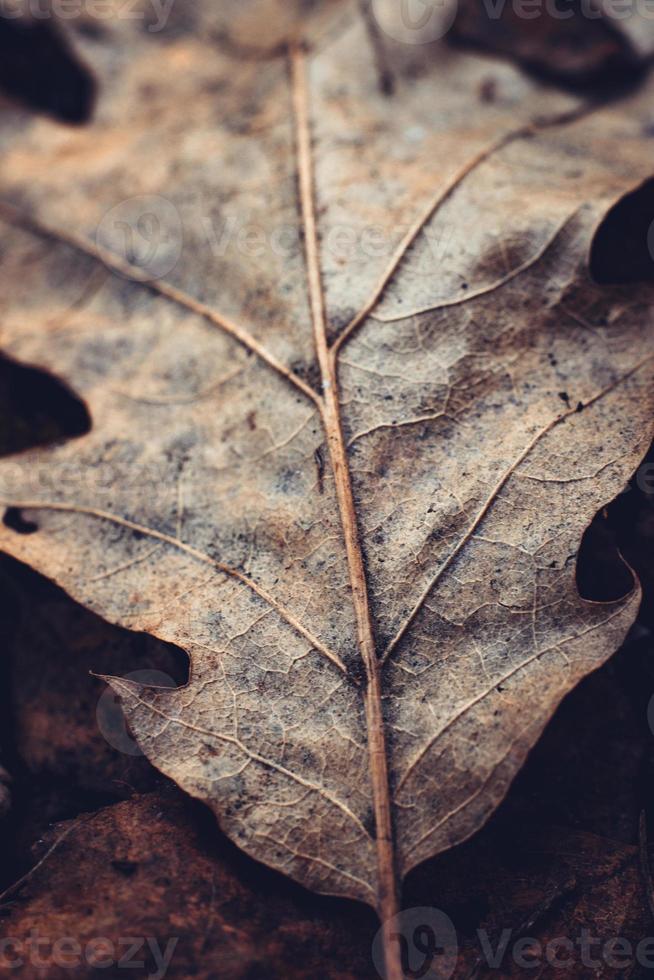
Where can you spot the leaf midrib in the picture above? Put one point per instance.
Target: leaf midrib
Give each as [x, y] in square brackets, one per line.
[328, 404]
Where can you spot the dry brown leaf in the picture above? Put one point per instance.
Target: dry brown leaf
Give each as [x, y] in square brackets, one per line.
[584, 45]
[347, 467]
[147, 867]
[156, 867]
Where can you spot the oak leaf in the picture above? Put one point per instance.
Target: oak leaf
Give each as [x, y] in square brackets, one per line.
[354, 398]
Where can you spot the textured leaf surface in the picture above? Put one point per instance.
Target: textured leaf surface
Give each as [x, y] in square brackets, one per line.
[490, 400]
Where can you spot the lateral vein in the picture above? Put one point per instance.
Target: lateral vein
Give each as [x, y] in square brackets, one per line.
[285, 614]
[497, 489]
[254, 756]
[484, 290]
[159, 287]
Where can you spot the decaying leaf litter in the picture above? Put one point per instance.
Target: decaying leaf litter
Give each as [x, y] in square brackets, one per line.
[474, 396]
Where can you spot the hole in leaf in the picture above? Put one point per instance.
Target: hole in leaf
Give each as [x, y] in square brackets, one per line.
[38, 67]
[63, 762]
[14, 520]
[622, 249]
[36, 408]
[602, 574]
[620, 539]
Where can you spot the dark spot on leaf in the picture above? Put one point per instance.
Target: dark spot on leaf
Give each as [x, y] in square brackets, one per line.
[94, 30]
[488, 90]
[386, 83]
